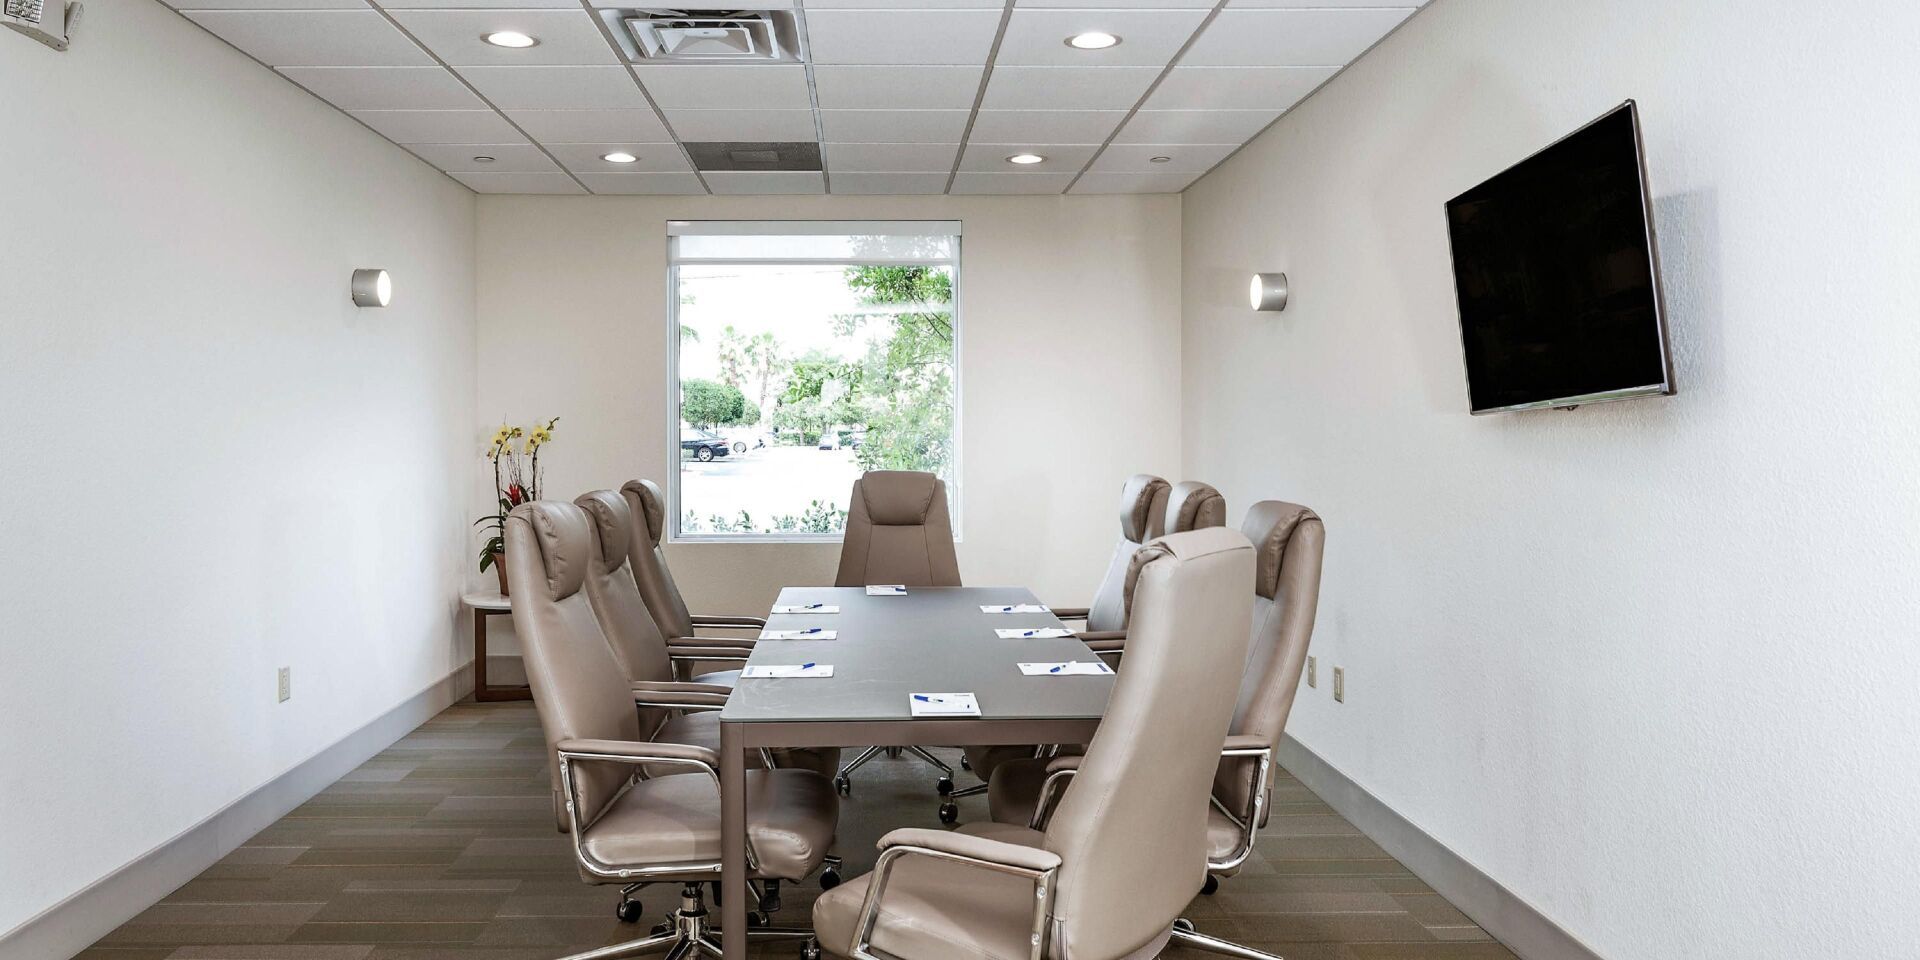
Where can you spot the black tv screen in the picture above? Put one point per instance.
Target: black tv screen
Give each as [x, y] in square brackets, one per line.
[1553, 265]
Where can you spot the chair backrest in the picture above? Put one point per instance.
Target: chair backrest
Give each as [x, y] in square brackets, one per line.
[1143, 505]
[1288, 540]
[1131, 830]
[898, 531]
[614, 593]
[648, 508]
[1192, 505]
[579, 690]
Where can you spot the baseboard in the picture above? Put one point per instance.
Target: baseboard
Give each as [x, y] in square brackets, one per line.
[1496, 909]
[73, 924]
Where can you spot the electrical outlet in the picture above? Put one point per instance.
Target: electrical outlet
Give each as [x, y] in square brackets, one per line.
[286, 683]
[1313, 671]
[1340, 684]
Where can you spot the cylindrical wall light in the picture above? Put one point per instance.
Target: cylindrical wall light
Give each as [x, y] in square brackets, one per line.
[372, 287]
[1268, 291]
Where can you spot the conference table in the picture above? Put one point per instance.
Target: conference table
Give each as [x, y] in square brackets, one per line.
[928, 640]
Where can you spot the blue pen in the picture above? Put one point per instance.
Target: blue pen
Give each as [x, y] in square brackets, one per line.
[806, 666]
[811, 606]
[1060, 668]
[923, 698]
[1029, 633]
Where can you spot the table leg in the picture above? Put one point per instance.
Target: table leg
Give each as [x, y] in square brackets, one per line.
[733, 843]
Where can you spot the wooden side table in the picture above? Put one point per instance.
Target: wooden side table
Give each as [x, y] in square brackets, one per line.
[487, 604]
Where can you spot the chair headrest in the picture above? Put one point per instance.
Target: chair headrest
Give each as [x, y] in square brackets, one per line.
[1136, 505]
[898, 498]
[564, 534]
[652, 506]
[614, 520]
[1270, 525]
[1191, 545]
[1192, 505]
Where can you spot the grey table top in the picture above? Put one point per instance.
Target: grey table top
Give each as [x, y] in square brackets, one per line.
[932, 640]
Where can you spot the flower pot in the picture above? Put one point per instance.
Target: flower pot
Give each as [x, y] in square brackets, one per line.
[500, 570]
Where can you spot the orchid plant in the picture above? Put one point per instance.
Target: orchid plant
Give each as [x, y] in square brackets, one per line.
[515, 453]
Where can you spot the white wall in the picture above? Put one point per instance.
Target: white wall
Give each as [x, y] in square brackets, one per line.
[215, 465]
[1069, 335]
[1651, 665]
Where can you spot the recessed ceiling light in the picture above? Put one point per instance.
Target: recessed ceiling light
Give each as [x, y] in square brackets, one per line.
[618, 156]
[1158, 159]
[1092, 40]
[482, 159]
[1026, 158]
[510, 38]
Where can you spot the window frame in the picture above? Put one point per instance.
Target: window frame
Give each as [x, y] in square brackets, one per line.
[678, 228]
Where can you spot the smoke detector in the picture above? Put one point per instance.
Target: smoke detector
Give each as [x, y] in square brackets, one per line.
[667, 35]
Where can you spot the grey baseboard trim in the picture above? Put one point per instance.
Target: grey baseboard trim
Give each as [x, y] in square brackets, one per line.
[73, 924]
[1496, 909]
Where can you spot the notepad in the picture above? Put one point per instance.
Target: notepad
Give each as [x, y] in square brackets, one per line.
[887, 590]
[1033, 633]
[1015, 608]
[771, 671]
[944, 705]
[810, 633]
[806, 608]
[1070, 668]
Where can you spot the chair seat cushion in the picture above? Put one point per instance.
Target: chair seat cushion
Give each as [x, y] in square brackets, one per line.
[702, 728]
[676, 820]
[1015, 789]
[937, 908]
[984, 760]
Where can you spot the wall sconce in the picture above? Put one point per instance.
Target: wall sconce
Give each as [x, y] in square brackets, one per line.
[1268, 291]
[372, 288]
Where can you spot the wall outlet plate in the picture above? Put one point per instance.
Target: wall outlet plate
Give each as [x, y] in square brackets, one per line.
[1313, 671]
[1340, 684]
[286, 683]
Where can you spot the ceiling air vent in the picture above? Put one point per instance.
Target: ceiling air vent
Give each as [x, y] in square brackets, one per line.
[669, 35]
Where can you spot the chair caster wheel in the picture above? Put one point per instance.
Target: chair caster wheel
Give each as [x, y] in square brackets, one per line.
[949, 813]
[893, 753]
[1184, 925]
[810, 950]
[1212, 884]
[757, 918]
[843, 785]
[829, 878]
[661, 928]
[628, 911]
[943, 786]
[965, 764]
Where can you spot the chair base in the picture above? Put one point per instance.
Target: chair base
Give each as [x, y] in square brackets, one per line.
[1185, 935]
[691, 932]
[844, 783]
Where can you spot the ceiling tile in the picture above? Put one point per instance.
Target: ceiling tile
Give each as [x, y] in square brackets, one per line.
[385, 88]
[1236, 88]
[1067, 88]
[1195, 126]
[727, 86]
[1295, 4]
[313, 38]
[710, 126]
[891, 4]
[896, 88]
[184, 5]
[643, 183]
[766, 182]
[880, 184]
[992, 158]
[518, 182]
[1118, 4]
[1147, 37]
[478, 4]
[439, 126]
[901, 36]
[893, 126]
[701, 4]
[567, 37]
[1065, 126]
[556, 88]
[1135, 182]
[649, 157]
[592, 126]
[1300, 38]
[969, 182]
[1181, 157]
[890, 157]
[507, 157]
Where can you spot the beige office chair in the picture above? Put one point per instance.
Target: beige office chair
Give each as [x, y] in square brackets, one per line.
[1123, 854]
[1288, 541]
[670, 710]
[898, 531]
[625, 829]
[648, 508]
[1187, 505]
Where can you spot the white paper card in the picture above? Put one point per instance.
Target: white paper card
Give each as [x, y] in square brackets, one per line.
[763, 671]
[1071, 668]
[887, 590]
[806, 608]
[810, 633]
[1015, 608]
[944, 705]
[1033, 633]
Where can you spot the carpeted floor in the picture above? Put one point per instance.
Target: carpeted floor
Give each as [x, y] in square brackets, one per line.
[443, 847]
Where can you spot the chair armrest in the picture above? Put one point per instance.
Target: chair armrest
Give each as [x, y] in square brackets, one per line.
[1245, 745]
[639, 751]
[673, 694]
[1072, 613]
[1035, 864]
[741, 643]
[700, 620]
[1059, 771]
[1103, 641]
[688, 649]
[967, 847]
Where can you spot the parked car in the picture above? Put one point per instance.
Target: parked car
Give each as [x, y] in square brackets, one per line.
[701, 445]
[746, 440]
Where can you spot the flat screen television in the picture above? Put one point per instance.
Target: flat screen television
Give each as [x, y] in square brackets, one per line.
[1554, 268]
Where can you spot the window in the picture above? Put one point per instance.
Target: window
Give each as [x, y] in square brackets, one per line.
[802, 355]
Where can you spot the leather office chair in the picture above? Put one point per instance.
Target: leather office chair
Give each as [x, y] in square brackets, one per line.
[1107, 877]
[1288, 540]
[648, 508]
[1192, 505]
[626, 828]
